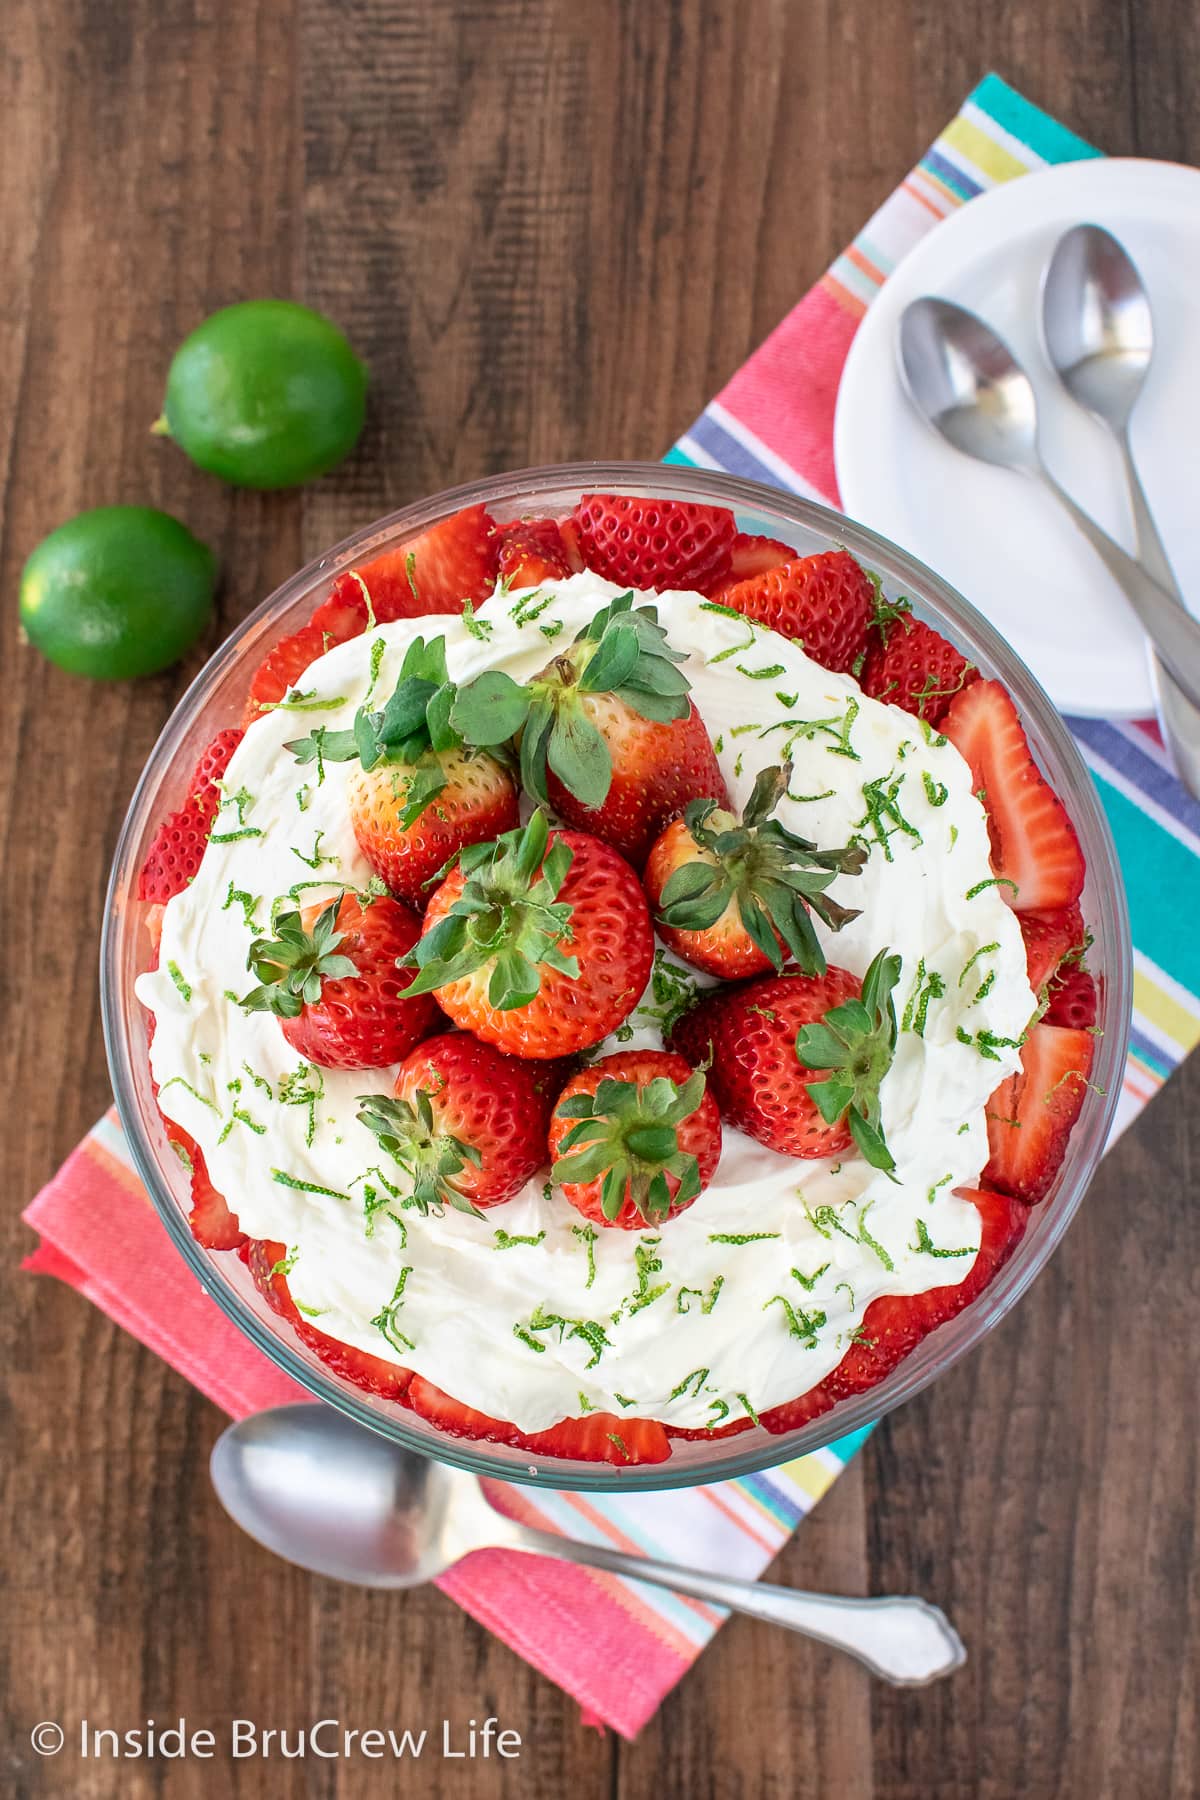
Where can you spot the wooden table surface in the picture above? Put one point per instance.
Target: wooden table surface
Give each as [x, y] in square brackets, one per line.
[553, 227]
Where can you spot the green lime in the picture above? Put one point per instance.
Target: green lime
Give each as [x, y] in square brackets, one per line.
[266, 394]
[120, 591]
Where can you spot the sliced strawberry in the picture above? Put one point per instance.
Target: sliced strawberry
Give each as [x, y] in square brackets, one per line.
[436, 572]
[178, 847]
[1030, 1116]
[1049, 936]
[568, 531]
[909, 664]
[700, 1433]
[1034, 846]
[654, 543]
[282, 667]
[596, 1437]
[894, 1324]
[751, 556]
[1072, 1000]
[532, 551]
[212, 766]
[264, 1261]
[212, 1223]
[175, 855]
[602, 1437]
[824, 602]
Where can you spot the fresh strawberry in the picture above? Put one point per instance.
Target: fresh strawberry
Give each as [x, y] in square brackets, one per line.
[434, 573]
[406, 837]
[1049, 937]
[450, 563]
[751, 556]
[825, 603]
[733, 898]
[1031, 1114]
[532, 551]
[910, 665]
[568, 531]
[416, 797]
[175, 855]
[607, 733]
[267, 1263]
[281, 668]
[539, 943]
[1035, 851]
[894, 1324]
[212, 1223]
[654, 543]
[636, 1138]
[211, 769]
[796, 1061]
[596, 1437]
[465, 1123]
[332, 977]
[1072, 999]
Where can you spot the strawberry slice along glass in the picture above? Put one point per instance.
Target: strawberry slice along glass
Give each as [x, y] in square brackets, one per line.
[536, 943]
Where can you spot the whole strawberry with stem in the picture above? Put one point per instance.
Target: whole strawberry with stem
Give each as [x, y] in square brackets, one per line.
[636, 1138]
[797, 1061]
[466, 1123]
[540, 943]
[417, 794]
[733, 898]
[331, 976]
[607, 732]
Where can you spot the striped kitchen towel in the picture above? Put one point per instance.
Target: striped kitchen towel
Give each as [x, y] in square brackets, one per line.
[616, 1646]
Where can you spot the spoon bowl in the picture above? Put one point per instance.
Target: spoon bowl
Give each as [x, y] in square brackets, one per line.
[1097, 324]
[968, 384]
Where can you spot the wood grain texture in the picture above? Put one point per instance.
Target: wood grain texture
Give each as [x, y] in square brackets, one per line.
[553, 227]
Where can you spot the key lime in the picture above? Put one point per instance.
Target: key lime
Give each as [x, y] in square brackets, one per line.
[116, 592]
[265, 394]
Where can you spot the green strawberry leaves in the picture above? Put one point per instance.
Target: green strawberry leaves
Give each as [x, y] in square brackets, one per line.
[773, 876]
[292, 966]
[412, 729]
[627, 1137]
[623, 652]
[855, 1043]
[408, 1131]
[508, 917]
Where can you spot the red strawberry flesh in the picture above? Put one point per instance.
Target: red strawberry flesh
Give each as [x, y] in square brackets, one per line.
[1035, 851]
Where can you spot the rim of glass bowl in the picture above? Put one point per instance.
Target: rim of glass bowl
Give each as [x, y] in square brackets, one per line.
[555, 489]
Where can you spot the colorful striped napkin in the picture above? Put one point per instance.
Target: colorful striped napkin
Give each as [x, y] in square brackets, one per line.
[616, 1646]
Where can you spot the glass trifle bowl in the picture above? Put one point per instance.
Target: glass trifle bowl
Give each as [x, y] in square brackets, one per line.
[217, 702]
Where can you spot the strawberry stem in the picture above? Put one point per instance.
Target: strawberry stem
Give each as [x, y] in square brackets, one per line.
[626, 1137]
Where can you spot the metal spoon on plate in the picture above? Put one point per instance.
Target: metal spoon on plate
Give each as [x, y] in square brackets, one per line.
[323, 1492]
[1098, 332]
[968, 385]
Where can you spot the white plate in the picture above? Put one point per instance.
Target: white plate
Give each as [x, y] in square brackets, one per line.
[998, 539]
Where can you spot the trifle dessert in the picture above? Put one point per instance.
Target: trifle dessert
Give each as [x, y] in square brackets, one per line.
[624, 981]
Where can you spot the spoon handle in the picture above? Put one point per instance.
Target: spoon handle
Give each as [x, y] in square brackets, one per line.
[900, 1638]
[1151, 550]
[1180, 718]
[1173, 631]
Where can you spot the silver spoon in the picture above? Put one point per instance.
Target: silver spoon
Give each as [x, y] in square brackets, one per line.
[339, 1500]
[968, 385]
[1098, 331]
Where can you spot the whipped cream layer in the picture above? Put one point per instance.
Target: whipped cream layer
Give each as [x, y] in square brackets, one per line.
[685, 1323]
